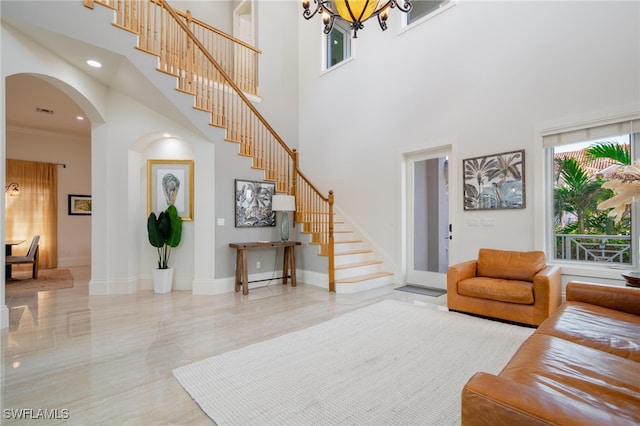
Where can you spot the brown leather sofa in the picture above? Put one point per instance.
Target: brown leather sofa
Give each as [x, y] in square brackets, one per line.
[510, 285]
[580, 367]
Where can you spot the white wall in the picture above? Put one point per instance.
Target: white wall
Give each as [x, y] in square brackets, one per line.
[216, 13]
[74, 232]
[127, 132]
[480, 75]
[118, 261]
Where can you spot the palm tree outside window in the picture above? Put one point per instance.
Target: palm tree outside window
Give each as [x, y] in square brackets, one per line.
[583, 232]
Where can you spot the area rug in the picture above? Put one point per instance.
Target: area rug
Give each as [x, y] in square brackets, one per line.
[388, 363]
[417, 289]
[22, 284]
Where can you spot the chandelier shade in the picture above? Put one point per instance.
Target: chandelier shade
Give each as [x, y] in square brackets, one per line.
[354, 12]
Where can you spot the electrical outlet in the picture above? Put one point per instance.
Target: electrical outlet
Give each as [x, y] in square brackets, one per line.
[257, 265]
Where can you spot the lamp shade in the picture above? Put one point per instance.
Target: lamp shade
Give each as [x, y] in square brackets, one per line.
[283, 203]
[355, 10]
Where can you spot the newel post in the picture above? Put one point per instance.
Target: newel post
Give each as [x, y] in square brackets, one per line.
[190, 56]
[294, 184]
[332, 269]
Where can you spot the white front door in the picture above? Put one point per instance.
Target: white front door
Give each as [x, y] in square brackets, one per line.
[428, 224]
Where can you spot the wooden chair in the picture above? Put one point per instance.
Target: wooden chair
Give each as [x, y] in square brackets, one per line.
[31, 257]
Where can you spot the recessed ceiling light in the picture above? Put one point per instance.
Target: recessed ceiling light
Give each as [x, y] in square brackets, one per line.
[166, 135]
[80, 118]
[94, 63]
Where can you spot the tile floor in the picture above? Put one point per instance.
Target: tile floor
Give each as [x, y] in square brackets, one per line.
[107, 360]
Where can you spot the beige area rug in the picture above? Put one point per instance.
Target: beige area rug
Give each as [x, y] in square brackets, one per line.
[385, 364]
[21, 283]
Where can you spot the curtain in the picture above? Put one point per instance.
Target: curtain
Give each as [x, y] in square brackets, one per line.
[34, 211]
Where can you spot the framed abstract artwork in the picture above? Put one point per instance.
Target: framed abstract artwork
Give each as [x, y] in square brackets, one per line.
[79, 204]
[494, 182]
[170, 182]
[253, 204]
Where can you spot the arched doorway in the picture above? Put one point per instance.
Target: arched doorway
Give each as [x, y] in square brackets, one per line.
[46, 125]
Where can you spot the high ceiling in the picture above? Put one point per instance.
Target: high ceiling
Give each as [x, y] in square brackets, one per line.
[26, 93]
[34, 103]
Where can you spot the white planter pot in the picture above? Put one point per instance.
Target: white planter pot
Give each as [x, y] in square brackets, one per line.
[162, 280]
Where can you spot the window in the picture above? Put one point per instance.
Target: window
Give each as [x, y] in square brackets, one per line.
[422, 8]
[578, 164]
[338, 44]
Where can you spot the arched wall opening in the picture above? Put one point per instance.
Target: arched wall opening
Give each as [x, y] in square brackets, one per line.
[48, 120]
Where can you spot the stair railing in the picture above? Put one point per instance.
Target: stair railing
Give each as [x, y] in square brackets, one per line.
[164, 32]
[237, 58]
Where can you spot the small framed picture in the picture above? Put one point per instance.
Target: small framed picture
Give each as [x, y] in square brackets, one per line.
[170, 182]
[79, 204]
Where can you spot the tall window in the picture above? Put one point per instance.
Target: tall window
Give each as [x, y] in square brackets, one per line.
[338, 46]
[422, 8]
[579, 163]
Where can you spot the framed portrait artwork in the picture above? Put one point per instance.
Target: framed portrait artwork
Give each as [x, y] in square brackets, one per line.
[494, 182]
[79, 204]
[170, 182]
[253, 204]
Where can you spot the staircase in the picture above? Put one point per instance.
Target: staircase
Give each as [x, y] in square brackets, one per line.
[217, 70]
[356, 267]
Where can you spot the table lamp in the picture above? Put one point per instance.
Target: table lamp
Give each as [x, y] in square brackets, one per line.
[285, 204]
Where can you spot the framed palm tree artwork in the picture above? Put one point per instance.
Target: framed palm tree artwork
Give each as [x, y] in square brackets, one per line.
[253, 204]
[494, 182]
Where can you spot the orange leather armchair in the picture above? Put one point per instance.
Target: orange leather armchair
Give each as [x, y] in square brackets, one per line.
[509, 285]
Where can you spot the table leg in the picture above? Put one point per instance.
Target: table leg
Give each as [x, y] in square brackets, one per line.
[285, 266]
[245, 273]
[292, 265]
[238, 269]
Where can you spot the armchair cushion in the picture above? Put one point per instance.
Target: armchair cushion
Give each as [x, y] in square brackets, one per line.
[510, 265]
[512, 291]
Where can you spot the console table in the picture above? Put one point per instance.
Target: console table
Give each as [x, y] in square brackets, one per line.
[288, 267]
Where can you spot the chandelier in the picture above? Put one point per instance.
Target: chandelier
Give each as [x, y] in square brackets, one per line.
[355, 12]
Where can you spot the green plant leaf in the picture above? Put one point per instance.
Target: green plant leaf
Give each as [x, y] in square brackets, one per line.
[155, 237]
[176, 226]
[164, 226]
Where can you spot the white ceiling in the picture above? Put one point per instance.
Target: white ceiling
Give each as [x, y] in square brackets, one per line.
[25, 93]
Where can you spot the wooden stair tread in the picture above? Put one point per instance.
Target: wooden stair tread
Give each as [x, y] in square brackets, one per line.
[358, 264]
[348, 242]
[345, 253]
[360, 278]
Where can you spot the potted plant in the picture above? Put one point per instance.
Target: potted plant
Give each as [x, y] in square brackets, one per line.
[165, 232]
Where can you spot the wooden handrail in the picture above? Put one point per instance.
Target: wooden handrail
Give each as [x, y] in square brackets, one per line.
[220, 33]
[187, 56]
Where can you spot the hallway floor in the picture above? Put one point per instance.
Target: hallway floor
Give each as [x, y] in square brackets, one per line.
[107, 360]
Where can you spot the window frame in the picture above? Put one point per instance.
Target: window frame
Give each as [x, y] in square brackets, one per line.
[404, 17]
[543, 210]
[347, 47]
